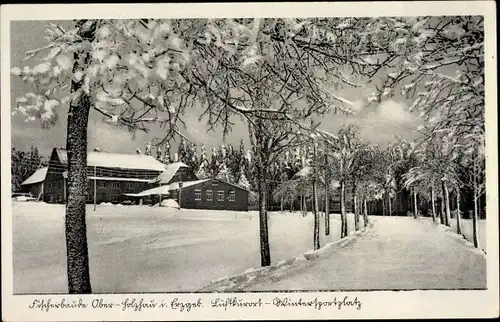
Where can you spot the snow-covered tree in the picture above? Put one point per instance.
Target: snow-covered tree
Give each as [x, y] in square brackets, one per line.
[148, 149]
[203, 171]
[159, 153]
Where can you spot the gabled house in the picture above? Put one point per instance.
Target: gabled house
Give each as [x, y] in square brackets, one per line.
[35, 183]
[174, 172]
[179, 182]
[109, 175]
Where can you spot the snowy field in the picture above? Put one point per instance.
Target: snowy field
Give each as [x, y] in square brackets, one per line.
[153, 249]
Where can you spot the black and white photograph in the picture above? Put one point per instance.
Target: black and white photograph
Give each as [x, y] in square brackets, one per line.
[253, 161]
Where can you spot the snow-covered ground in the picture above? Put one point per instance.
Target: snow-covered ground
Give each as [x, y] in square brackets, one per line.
[153, 249]
[397, 253]
[466, 227]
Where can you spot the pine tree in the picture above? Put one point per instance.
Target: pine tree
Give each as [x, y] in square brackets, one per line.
[193, 162]
[183, 152]
[224, 172]
[243, 181]
[148, 149]
[159, 155]
[214, 162]
[203, 168]
[167, 159]
[24, 164]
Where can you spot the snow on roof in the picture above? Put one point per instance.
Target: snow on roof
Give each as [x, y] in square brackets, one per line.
[185, 184]
[169, 171]
[163, 190]
[36, 177]
[117, 160]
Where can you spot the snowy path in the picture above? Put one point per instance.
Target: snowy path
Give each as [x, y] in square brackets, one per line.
[396, 253]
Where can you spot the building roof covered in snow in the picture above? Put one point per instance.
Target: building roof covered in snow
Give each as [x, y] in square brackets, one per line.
[165, 189]
[169, 171]
[36, 177]
[117, 160]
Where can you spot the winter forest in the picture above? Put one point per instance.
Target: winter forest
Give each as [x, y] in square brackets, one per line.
[280, 77]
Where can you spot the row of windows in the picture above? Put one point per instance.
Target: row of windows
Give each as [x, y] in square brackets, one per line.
[209, 195]
[100, 184]
[121, 173]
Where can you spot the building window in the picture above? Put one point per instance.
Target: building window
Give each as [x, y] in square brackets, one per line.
[58, 184]
[210, 195]
[197, 195]
[220, 195]
[215, 183]
[101, 184]
[232, 196]
[116, 185]
[59, 198]
[49, 185]
[90, 197]
[114, 198]
[130, 186]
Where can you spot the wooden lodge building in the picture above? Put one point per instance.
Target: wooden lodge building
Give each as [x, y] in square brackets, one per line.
[35, 183]
[179, 182]
[112, 174]
[117, 177]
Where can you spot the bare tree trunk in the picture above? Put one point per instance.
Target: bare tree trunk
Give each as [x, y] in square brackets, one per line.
[327, 205]
[77, 257]
[343, 215]
[433, 204]
[441, 213]
[383, 206]
[415, 204]
[401, 211]
[459, 230]
[365, 213]
[265, 254]
[475, 234]
[316, 213]
[355, 205]
[446, 204]
[302, 204]
[389, 204]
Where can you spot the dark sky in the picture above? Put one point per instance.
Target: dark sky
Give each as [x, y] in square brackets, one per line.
[378, 124]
